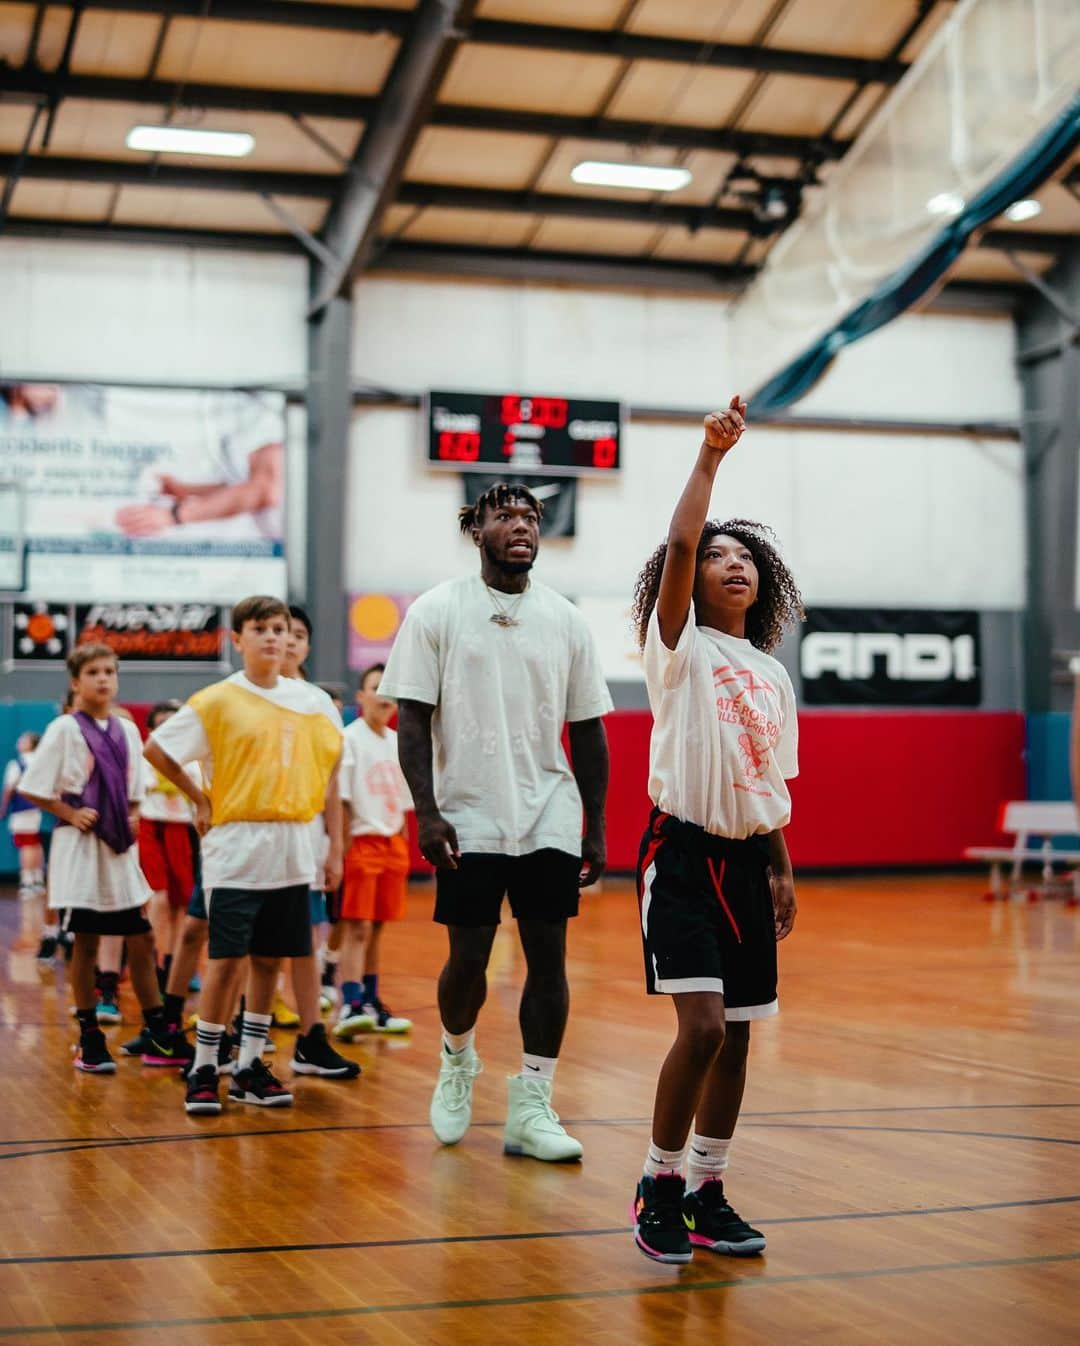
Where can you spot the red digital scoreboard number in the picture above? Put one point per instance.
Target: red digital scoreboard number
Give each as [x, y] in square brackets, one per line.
[523, 433]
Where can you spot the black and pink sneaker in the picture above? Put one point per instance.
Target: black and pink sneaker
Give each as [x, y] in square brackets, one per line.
[714, 1225]
[256, 1084]
[92, 1055]
[659, 1228]
[202, 1092]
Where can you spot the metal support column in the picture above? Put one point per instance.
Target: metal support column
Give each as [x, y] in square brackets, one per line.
[329, 413]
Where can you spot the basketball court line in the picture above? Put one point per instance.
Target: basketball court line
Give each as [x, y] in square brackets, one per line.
[518, 1301]
[264, 1249]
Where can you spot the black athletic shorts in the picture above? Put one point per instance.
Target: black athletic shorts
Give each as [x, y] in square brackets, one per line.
[84, 921]
[542, 886]
[269, 922]
[707, 921]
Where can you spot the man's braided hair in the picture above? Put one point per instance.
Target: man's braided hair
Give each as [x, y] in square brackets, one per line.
[777, 606]
[502, 493]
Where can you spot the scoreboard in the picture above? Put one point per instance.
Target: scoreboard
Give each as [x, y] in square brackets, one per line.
[523, 434]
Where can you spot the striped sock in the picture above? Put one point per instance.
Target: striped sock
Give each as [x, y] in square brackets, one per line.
[207, 1041]
[253, 1038]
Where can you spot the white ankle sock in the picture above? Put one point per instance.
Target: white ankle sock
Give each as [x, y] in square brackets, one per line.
[207, 1041]
[455, 1043]
[537, 1067]
[658, 1161]
[707, 1159]
[253, 1038]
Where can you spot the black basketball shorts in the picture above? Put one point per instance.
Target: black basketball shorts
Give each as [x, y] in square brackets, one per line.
[267, 922]
[86, 921]
[707, 920]
[541, 886]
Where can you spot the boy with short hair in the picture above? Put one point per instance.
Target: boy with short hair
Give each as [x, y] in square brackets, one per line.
[87, 772]
[376, 799]
[269, 749]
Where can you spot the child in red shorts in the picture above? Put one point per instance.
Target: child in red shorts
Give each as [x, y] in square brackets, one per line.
[376, 799]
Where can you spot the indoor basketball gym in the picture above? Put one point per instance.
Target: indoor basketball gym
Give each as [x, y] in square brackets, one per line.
[284, 287]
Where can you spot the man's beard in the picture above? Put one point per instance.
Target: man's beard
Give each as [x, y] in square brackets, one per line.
[508, 567]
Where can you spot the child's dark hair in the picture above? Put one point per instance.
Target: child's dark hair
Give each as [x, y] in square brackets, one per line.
[778, 604]
[157, 711]
[502, 493]
[375, 668]
[257, 608]
[82, 655]
[297, 613]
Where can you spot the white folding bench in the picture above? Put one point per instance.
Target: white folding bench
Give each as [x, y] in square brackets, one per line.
[1029, 820]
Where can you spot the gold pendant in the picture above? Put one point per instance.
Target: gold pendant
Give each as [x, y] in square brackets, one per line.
[502, 619]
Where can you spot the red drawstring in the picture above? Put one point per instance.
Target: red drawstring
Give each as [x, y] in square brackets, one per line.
[717, 880]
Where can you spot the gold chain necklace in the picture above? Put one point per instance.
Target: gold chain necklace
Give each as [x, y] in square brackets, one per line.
[503, 616]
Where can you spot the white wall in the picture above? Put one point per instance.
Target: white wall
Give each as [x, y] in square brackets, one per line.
[84, 311]
[864, 518]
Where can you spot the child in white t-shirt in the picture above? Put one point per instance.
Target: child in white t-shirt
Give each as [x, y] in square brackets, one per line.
[376, 799]
[714, 878]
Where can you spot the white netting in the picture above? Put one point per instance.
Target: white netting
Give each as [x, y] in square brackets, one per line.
[995, 75]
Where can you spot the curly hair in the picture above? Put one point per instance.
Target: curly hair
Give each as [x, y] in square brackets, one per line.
[502, 493]
[778, 604]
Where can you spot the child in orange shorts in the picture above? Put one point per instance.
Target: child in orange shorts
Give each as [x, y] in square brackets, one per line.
[375, 799]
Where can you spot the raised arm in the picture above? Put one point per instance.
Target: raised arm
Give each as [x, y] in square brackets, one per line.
[589, 760]
[722, 431]
[438, 840]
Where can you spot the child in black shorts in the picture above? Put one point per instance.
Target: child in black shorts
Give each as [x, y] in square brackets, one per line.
[714, 878]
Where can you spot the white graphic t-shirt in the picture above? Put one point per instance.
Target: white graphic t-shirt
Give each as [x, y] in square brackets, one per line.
[502, 696]
[725, 732]
[372, 783]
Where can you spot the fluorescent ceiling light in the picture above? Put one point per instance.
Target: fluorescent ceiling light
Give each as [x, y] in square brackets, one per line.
[641, 177]
[189, 140]
[946, 203]
[1020, 211]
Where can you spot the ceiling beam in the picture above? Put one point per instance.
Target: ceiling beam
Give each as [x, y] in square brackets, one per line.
[1029, 240]
[58, 168]
[566, 206]
[373, 178]
[354, 107]
[78, 231]
[530, 36]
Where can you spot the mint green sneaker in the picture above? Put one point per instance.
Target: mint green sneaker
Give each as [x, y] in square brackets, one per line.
[451, 1103]
[532, 1125]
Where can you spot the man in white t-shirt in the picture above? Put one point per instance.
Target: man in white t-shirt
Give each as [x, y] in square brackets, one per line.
[487, 670]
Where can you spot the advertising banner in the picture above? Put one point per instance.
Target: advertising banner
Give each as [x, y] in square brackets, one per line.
[134, 494]
[890, 657]
[374, 620]
[160, 633]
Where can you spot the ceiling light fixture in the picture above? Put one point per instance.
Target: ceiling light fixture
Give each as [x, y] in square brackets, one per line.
[638, 177]
[946, 204]
[188, 140]
[1020, 211]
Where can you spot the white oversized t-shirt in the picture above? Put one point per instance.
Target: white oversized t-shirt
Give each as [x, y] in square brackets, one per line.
[725, 731]
[250, 855]
[372, 782]
[83, 870]
[502, 696]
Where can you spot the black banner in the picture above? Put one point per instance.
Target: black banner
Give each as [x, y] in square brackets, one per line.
[40, 632]
[890, 657]
[169, 633]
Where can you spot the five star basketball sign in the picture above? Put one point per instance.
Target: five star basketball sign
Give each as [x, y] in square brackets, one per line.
[523, 434]
[40, 632]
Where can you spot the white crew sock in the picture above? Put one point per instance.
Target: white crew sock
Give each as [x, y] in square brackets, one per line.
[660, 1162]
[706, 1161]
[207, 1041]
[253, 1031]
[537, 1067]
[455, 1043]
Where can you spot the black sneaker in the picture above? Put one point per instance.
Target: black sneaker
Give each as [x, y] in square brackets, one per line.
[92, 1055]
[256, 1084]
[659, 1229]
[713, 1224]
[313, 1055]
[202, 1091]
[138, 1045]
[170, 1048]
[47, 949]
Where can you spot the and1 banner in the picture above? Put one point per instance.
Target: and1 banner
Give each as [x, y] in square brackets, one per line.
[883, 657]
[169, 633]
[132, 494]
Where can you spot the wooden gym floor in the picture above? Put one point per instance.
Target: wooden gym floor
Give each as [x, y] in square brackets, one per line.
[910, 1144]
